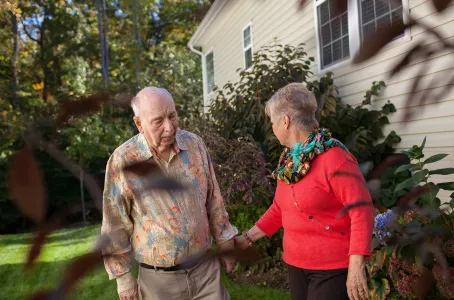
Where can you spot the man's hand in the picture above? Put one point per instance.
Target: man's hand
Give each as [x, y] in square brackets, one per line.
[227, 260]
[131, 294]
[356, 281]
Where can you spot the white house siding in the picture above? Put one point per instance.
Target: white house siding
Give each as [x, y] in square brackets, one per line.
[280, 19]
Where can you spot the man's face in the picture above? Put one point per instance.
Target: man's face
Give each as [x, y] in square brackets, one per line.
[157, 120]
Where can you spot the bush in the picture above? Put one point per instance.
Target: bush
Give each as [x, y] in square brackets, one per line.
[413, 254]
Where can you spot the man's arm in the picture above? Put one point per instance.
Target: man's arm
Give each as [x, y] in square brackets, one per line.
[220, 227]
[117, 225]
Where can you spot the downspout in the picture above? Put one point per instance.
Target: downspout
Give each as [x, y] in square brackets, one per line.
[202, 56]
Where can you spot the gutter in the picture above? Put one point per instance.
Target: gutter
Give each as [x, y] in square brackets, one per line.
[204, 82]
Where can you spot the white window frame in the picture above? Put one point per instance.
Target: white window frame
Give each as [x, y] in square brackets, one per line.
[354, 33]
[205, 74]
[248, 47]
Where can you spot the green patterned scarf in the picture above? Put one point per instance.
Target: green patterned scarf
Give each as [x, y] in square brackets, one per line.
[294, 162]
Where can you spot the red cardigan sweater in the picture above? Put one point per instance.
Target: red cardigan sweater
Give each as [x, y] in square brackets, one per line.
[313, 237]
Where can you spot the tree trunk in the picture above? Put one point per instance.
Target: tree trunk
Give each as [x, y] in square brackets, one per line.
[82, 192]
[137, 38]
[104, 44]
[14, 59]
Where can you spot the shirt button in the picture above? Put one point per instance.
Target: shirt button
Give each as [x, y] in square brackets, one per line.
[327, 227]
[310, 217]
[342, 233]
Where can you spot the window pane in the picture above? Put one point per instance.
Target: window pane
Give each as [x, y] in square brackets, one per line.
[344, 19]
[248, 58]
[332, 31]
[345, 47]
[377, 13]
[385, 20]
[323, 10]
[397, 17]
[326, 34]
[327, 56]
[337, 50]
[210, 71]
[247, 36]
[367, 11]
[381, 8]
[336, 29]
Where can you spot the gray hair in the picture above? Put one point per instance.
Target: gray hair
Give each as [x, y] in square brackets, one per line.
[295, 101]
[146, 92]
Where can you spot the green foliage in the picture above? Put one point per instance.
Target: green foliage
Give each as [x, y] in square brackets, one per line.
[400, 265]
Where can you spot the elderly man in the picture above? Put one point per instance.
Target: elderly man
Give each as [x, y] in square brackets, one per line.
[162, 229]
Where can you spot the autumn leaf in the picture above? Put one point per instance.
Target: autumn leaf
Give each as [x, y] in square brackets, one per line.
[89, 104]
[356, 204]
[142, 168]
[26, 185]
[384, 35]
[441, 5]
[423, 284]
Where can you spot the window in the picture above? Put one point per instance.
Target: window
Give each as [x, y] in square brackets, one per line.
[339, 36]
[209, 65]
[377, 12]
[333, 32]
[247, 47]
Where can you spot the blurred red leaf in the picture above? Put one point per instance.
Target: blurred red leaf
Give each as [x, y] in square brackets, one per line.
[441, 5]
[414, 193]
[423, 284]
[42, 295]
[338, 7]
[124, 100]
[406, 60]
[143, 168]
[375, 41]
[89, 104]
[389, 161]
[26, 185]
[301, 3]
[356, 204]
[40, 237]
[79, 267]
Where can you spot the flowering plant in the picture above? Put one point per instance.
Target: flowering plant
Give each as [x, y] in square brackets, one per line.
[413, 241]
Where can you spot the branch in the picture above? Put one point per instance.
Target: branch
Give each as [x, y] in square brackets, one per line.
[433, 32]
[26, 32]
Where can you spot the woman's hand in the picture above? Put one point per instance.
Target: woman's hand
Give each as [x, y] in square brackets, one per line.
[241, 242]
[356, 281]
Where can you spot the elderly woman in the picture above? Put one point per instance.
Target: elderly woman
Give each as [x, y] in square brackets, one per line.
[325, 253]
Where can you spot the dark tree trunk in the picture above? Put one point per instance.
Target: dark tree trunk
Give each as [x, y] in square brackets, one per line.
[14, 80]
[104, 44]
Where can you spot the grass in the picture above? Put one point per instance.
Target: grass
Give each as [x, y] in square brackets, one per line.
[67, 244]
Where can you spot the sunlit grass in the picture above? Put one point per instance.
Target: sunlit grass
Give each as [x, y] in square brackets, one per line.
[69, 243]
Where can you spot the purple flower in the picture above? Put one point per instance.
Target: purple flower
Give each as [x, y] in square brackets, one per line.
[381, 230]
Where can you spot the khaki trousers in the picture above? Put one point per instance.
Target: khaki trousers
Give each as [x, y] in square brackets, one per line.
[202, 282]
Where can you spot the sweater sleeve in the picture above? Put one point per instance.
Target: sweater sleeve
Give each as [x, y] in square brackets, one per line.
[348, 190]
[271, 221]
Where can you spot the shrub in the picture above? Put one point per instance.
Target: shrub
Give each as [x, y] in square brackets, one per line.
[415, 246]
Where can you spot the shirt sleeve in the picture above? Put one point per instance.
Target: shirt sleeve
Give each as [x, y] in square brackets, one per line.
[220, 226]
[271, 221]
[117, 225]
[351, 189]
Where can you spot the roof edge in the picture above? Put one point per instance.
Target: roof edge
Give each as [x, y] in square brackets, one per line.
[206, 21]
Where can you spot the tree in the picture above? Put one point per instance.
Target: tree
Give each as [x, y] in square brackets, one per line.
[104, 43]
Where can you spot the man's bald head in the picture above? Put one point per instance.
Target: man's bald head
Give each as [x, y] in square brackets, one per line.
[156, 117]
[149, 97]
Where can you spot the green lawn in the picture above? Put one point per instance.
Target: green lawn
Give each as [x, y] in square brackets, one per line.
[63, 246]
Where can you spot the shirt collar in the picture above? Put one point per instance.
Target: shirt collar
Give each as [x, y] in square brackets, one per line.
[144, 152]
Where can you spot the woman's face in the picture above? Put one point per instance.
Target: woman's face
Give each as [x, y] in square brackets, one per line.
[280, 129]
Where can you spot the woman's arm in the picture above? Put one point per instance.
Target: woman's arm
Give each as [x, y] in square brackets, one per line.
[267, 225]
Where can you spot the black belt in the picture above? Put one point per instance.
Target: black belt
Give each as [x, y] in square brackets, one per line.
[185, 266]
[172, 268]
